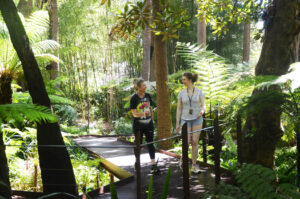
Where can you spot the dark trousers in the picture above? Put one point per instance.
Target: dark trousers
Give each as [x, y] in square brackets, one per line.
[148, 131]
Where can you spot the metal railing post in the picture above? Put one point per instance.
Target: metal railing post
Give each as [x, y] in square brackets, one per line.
[217, 147]
[137, 151]
[185, 163]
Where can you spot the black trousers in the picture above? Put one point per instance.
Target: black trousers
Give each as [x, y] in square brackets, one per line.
[147, 130]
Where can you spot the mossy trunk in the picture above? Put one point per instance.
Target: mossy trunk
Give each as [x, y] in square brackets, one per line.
[56, 168]
[262, 131]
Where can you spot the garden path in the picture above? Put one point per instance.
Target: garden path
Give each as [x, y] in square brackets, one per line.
[124, 158]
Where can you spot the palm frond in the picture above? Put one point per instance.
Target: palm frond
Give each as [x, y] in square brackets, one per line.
[32, 112]
[290, 79]
[4, 34]
[47, 57]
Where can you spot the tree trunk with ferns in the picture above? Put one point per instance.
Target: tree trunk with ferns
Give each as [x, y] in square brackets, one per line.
[163, 98]
[56, 167]
[262, 130]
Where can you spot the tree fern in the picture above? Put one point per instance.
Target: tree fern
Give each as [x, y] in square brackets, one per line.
[216, 75]
[17, 112]
[256, 182]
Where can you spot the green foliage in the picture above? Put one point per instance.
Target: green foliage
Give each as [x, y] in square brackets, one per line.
[150, 187]
[67, 114]
[222, 12]
[32, 112]
[257, 182]
[113, 191]
[285, 164]
[122, 126]
[164, 194]
[36, 27]
[166, 23]
[215, 73]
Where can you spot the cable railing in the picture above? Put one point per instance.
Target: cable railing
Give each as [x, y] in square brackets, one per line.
[215, 129]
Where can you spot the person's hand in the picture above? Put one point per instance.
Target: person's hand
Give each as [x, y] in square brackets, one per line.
[147, 113]
[199, 115]
[178, 128]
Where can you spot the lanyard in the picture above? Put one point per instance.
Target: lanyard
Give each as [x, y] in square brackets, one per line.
[190, 98]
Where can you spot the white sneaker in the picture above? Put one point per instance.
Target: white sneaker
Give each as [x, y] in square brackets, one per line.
[180, 162]
[196, 168]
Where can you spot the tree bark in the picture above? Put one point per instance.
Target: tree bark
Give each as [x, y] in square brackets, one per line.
[5, 88]
[53, 15]
[163, 98]
[25, 7]
[147, 49]
[5, 191]
[152, 60]
[264, 127]
[246, 42]
[56, 167]
[201, 33]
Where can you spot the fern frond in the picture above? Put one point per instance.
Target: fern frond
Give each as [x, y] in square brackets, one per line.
[44, 46]
[32, 112]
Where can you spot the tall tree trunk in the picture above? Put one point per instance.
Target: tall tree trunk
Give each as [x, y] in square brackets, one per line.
[56, 168]
[201, 32]
[246, 42]
[152, 60]
[25, 7]
[147, 49]
[264, 127]
[53, 15]
[163, 98]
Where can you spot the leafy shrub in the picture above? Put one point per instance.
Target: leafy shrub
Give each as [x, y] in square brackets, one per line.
[122, 126]
[67, 114]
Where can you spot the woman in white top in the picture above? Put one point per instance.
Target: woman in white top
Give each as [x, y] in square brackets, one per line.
[191, 106]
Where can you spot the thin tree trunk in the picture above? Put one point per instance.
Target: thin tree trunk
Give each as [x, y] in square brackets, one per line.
[56, 168]
[275, 59]
[152, 60]
[246, 42]
[147, 49]
[53, 15]
[201, 32]
[163, 98]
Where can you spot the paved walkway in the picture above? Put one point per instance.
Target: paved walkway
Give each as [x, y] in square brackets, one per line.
[124, 158]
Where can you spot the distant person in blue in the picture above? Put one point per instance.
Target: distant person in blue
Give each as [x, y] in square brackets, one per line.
[191, 106]
[141, 107]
